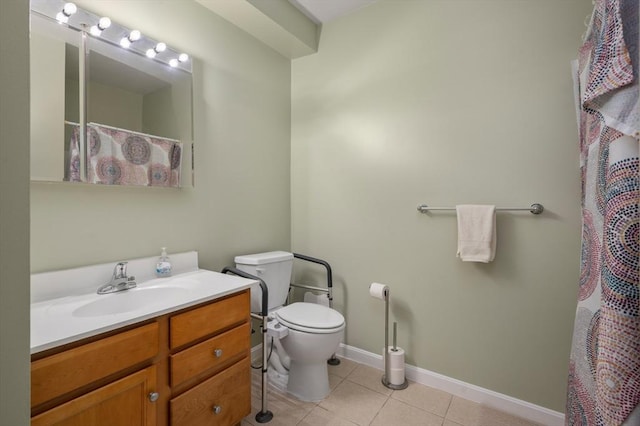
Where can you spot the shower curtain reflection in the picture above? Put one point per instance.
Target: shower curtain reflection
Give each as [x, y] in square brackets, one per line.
[123, 157]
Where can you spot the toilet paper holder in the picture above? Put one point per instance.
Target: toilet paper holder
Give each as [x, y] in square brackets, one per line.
[387, 368]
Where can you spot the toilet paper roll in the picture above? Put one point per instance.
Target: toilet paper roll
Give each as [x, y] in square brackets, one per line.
[396, 366]
[379, 291]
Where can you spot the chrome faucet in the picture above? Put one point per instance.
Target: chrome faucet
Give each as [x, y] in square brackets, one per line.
[119, 281]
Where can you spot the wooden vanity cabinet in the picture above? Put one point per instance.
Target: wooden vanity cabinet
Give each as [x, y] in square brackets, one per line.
[187, 368]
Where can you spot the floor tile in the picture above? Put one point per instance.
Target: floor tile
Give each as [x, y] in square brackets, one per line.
[398, 413]
[463, 412]
[370, 378]
[334, 381]
[343, 369]
[358, 398]
[354, 402]
[469, 413]
[424, 397]
[321, 417]
[286, 409]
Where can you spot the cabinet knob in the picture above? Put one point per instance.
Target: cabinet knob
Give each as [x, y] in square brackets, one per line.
[217, 409]
[217, 353]
[153, 396]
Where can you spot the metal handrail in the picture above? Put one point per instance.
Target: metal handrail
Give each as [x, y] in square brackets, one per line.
[263, 415]
[329, 290]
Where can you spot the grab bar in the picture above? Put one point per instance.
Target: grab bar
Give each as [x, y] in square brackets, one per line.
[263, 415]
[329, 290]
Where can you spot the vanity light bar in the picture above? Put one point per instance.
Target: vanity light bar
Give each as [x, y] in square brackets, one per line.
[67, 13]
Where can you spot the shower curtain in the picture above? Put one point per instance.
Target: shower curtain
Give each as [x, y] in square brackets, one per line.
[604, 367]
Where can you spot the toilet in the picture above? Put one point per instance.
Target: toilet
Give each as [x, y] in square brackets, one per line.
[305, 335]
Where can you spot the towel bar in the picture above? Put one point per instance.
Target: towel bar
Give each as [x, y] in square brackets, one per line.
[535, 208]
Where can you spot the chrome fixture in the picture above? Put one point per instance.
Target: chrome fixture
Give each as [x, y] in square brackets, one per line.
[119, 281]
[535, 208]
[102, 27]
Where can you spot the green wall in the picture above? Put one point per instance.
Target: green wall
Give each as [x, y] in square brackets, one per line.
[446, 102]
[14, 213]
[432, 101]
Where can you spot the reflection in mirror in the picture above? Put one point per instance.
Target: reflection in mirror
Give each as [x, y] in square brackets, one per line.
[51, 47]
[135, 110]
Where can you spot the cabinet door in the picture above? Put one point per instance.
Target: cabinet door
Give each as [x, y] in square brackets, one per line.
[123, 402]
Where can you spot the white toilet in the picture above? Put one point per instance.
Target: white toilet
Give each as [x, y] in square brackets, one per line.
[305, 334]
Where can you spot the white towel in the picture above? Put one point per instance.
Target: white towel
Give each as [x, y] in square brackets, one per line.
[476, 233]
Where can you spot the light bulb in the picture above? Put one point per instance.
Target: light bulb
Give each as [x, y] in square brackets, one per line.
[160, 47]
[62, 18]
[134, 35]
[69, 9]
[104, 23]
[173, 62]
[124, 42]
[95, 31]
[183, 57]
[151, 53]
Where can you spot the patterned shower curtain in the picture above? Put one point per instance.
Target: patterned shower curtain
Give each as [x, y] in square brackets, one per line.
[604, 368]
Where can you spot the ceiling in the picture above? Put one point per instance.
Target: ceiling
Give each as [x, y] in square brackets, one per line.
[278, 24]
[323, 11]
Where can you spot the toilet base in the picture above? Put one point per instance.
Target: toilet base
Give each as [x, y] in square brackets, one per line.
[308, 382]
[277, 380]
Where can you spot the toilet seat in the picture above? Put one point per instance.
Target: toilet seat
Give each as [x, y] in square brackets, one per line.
[310, 318]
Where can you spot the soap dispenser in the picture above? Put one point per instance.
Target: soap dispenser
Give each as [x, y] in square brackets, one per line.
[163, 267]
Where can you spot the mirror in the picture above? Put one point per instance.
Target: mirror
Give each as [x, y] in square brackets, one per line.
[104, 114]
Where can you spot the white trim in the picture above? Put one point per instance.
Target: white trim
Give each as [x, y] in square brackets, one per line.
[505, 403]
[499, 401]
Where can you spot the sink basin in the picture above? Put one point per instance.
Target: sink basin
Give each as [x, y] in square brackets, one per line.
[129, 300]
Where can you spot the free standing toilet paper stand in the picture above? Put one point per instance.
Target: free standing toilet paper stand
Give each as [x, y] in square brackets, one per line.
[388, 351]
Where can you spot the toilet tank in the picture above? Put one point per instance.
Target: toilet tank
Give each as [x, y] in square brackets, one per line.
[274, 268]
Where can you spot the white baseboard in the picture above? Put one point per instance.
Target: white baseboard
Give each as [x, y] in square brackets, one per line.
[474, 393]
[502, 402]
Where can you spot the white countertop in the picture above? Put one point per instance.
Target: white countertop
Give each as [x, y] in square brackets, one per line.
[61, 320]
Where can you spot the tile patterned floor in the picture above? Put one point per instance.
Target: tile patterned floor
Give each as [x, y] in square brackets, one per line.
[358, 398]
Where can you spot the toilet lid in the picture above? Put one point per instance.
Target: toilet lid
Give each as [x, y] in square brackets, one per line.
[310, 317]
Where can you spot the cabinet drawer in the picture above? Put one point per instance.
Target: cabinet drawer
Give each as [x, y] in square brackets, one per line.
[210, 354]
[63, 372]
[209, 319]
[224, 399]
